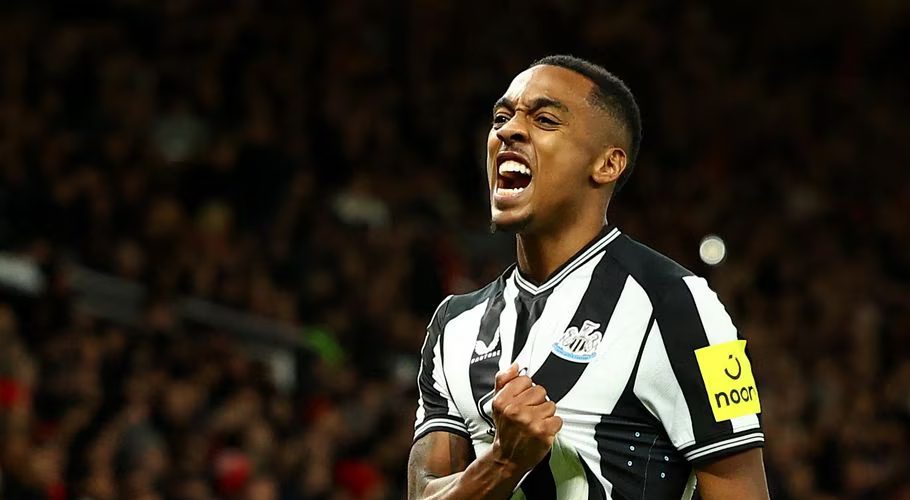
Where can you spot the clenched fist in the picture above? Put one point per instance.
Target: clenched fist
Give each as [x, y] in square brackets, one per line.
[526, 421]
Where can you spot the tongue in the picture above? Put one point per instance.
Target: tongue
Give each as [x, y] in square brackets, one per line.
[514, 180]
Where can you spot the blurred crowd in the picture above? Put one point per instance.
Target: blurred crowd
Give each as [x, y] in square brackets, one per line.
[320, 164]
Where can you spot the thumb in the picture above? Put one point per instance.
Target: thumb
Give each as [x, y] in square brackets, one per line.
[504, 376]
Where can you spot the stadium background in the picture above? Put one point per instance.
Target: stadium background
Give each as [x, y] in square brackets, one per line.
[224, 226]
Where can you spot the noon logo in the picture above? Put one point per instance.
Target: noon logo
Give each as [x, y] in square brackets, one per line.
[728, 379]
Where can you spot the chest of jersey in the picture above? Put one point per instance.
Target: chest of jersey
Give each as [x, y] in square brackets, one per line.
[631, 383]
[579, 341]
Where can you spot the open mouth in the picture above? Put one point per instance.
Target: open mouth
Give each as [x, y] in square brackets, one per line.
[513, 177]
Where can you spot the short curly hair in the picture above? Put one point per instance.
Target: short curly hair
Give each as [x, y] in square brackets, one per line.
[610, 94]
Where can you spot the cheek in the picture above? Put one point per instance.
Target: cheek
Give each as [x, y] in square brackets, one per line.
[493, 145]
[565, 164]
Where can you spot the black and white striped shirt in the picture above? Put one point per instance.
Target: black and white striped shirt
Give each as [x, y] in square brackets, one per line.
[641, 358]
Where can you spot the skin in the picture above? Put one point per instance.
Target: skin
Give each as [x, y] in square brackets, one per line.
[547, 119]
[547, 116]
[440, 465]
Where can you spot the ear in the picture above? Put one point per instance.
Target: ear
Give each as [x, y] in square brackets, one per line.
[609, 166]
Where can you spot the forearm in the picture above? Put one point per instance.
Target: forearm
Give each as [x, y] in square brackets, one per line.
[489, 477]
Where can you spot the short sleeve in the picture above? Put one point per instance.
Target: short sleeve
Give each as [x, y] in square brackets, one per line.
[695, 376]
[435, 409]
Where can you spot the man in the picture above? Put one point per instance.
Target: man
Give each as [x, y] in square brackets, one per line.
[596, 368]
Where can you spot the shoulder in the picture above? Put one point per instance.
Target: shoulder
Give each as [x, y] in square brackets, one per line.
[677, 295]
[455, 305]
[652, 270]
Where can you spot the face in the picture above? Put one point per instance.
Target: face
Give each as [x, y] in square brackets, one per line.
[543, 150]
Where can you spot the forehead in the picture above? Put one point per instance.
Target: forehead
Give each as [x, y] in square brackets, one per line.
[564, 85]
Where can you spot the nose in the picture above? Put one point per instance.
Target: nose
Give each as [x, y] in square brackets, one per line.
[512, 131]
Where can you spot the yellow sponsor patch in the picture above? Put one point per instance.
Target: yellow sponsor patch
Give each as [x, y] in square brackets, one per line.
[728, 378]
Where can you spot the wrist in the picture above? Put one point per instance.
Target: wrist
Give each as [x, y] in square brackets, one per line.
[505, 465]
[494, 475]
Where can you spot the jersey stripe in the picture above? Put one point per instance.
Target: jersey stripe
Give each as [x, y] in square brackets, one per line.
[528, 312]
[436, 409]
[595, 488]
[539, 484]
[485, 359]
[683, 332]
[558, 374]
[659, 391]
[460, 334]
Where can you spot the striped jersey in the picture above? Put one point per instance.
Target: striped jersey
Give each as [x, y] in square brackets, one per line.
[642, 360]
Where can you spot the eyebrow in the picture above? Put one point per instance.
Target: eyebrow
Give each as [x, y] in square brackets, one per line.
[535, 104]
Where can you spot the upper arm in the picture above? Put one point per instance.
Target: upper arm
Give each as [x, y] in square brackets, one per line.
[436, 455]
[442, 444]
[740, 476]
[695, 376]
[436, 410]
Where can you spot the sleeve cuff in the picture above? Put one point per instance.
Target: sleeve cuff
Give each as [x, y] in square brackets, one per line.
[442, 423]
[723, 446]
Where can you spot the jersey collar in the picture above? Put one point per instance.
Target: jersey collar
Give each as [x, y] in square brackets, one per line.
[607, 234]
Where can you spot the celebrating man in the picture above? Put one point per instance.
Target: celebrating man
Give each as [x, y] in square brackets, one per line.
[594, 368]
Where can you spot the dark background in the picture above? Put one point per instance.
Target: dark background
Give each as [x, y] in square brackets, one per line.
[316, 168]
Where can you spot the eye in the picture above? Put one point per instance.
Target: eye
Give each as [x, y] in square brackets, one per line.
[546, 120]
[500, 119]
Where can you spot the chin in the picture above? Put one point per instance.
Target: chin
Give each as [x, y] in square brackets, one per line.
[508, 223]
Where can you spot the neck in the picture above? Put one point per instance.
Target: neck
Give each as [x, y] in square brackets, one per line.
[539, 255]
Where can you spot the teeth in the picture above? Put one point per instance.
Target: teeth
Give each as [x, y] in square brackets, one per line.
[514, 166]
[510, 190]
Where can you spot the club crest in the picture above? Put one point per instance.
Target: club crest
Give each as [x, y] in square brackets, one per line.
[579, 345]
